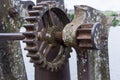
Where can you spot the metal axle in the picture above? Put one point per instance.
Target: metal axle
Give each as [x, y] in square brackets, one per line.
[11, 36]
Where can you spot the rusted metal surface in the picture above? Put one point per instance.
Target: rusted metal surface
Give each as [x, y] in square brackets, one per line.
[11, 36]
[46, 52]
[80, 34]
[72, 28]
[83, 65]
[93, 62]
[49, 37]
[62, 74]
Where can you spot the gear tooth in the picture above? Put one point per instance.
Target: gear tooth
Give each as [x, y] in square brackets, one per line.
[34, 13]
[29, 33]
[29, 41]
[32, 19]
[70, 50]
[31, 60]
[84, 29]
[41, 60]
[38, 7]
[34, 61]
[59, 67]
[52, 69]
[32, 55]
[84, 36]
[83, 45]
[29, 26]
[56, 68]
[43, 65]
[36, 66]
[42, 3]
[52, 2]
[31, 49]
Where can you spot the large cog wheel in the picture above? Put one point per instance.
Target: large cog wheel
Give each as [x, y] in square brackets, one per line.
[41, 27]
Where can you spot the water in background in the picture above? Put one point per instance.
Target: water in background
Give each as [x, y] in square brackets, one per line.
[114, 52]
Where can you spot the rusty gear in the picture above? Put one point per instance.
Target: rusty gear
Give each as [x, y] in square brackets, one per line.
[84, 36]
[89, 36]
[41, 27]
[79, 34]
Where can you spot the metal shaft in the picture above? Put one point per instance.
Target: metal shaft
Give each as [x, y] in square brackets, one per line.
[11, 36]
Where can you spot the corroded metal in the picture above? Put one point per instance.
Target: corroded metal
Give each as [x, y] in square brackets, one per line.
[62, 74]
[72, 28]
[49, 37]
[89, 36]
[42, 46]
[41, 40]
[84, 37]
[93, 56]
[83, 65]
[80, 34]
